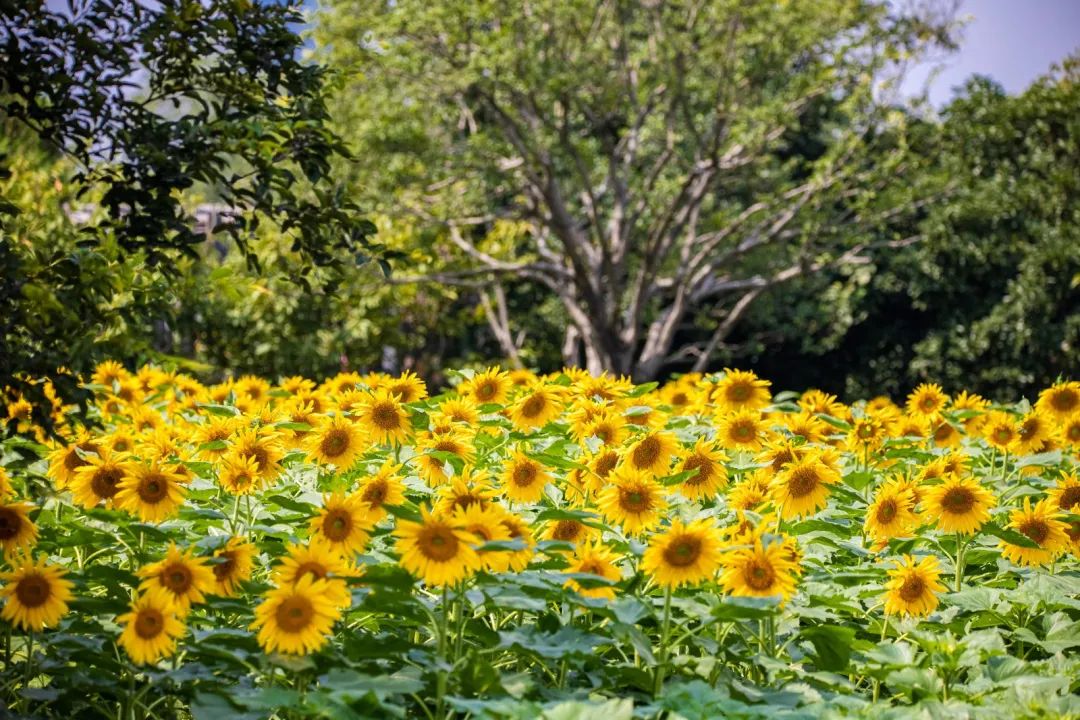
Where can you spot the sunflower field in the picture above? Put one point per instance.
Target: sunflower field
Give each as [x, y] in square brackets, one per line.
[558, 546]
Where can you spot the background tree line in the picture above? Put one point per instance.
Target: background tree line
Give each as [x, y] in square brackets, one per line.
[643, 188]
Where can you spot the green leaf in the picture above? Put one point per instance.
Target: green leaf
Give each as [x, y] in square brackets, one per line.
[214, 409]
[832, 645]
[1009, 535]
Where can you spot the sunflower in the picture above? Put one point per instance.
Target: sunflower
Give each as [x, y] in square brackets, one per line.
[536, 408]
[336, 441]
[866, 433]
[1032, 433]
[818, 402]
[958, 504]
[711, 475]
[911, 426]
[593, 558]
[1070, 432]
[608, 427]
[151, 628]
[683, 554]
[1066, 494]
[802, 487]
[1060, 401]
[681, 396]
[750, 493]
[570, 531]
[35, 594]
[98, 480]
[460, 411]
[296, 384]
[490, 386]
[600, 465]
[1000, 431]
[436, 549]
[65, 460]
[263, 447]
[927, 400]
[6, 490]
[183, 576]
[470, 488]
[17, 531]
[763, 570]
[233, 563]
[518, 529]
[109, 371]
[1041, 525]
[384, 418]
[344, 522]
[741, 390]
[652, 453]
[296, 619]
[524, 479]
[742, 430]
[973, 405]
[913, 586]
[211, 438]
[297, 412]
[240, 475]
[408, 387]
[780, 453]
[151, 491]
[381, 489]
[945, 434]
[890, 514]
[485, 525]
[120, 440]
[633, 500]
[809, 427]
[433, 469]
[320, 560]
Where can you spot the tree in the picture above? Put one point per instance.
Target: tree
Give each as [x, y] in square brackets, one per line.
[672, 162]
[154, 104]
[989, 301]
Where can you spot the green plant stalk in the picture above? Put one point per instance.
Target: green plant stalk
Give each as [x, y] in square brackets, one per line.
[665, 629]
[441, 630]
[959, 562]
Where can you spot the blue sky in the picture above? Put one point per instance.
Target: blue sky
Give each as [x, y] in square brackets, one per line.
[1012, 41]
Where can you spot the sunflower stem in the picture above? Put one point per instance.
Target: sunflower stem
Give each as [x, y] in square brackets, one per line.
[29, 674]
[440, 633]
[959, 563]
[665, 629]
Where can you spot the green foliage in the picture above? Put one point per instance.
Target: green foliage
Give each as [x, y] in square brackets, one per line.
[155, 104]
[989, 297]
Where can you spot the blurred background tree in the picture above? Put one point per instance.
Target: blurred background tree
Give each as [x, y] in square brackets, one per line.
[990, 299]
[154, 104]
[655, 168]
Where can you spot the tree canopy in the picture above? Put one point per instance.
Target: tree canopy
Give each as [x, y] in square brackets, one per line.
[660, 166]
[155, 104]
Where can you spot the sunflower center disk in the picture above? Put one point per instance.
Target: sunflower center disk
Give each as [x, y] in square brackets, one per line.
[9, 524]
[1036, 531]
[294, 614]
[912, 589]
[803, 482]
[958, 501]
[439, 544]
[33, 591]
[149, 624]
[153, 489]
[335, 443]
[683, 552]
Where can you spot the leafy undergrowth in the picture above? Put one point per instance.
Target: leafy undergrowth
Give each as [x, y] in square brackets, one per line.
[556, 547]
